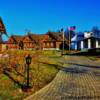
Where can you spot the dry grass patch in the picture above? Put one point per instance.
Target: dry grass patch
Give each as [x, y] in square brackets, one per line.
[42, 71]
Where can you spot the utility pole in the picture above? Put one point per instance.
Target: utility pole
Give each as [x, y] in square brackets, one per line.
[63, 41]
[62, 32]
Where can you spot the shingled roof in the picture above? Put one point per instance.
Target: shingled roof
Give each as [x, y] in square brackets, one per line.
[36, 38]
[56, 36]
[16, 38]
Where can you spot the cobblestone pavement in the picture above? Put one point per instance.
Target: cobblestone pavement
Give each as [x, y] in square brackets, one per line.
[78, 81]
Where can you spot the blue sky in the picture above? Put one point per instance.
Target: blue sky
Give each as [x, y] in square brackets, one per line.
[39, 16]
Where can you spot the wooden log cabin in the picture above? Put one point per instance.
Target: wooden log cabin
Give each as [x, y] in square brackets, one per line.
[33, 41]
[13, 42]
[48, 41]
[54, 41]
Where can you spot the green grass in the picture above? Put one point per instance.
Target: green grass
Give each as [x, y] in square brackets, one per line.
[8, 90]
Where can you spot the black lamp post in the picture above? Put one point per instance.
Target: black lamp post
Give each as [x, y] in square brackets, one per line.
[28, 62]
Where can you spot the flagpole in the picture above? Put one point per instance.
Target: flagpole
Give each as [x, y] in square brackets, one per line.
[76, 42]
[72, 28]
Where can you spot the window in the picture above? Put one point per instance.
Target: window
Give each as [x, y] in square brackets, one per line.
[45, 44]
[52, 45]
[48, 44]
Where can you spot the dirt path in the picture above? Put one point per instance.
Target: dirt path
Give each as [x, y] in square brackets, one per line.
[79, 81]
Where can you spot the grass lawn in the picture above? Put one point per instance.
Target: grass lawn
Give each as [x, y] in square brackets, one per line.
[9, 90]
[44, 67]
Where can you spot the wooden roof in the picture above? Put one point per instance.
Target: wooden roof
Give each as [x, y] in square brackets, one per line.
[18, 38]
[56, 36]
[15, 38]
[37, 38]
[49, 36]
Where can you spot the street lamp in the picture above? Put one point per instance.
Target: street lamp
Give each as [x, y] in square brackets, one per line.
[28, 62]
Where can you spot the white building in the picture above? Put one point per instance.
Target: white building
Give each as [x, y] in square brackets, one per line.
[90, 41]
[88, 34]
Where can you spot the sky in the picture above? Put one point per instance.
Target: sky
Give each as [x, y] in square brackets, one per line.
[39, 16]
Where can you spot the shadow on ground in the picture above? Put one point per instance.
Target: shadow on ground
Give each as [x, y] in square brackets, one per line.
[75, 70]
[17, 82]
[90, 66]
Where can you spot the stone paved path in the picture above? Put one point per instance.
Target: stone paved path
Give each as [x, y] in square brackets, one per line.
[76, 82]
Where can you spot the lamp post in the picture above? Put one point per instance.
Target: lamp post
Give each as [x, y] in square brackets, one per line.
[28, 62]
